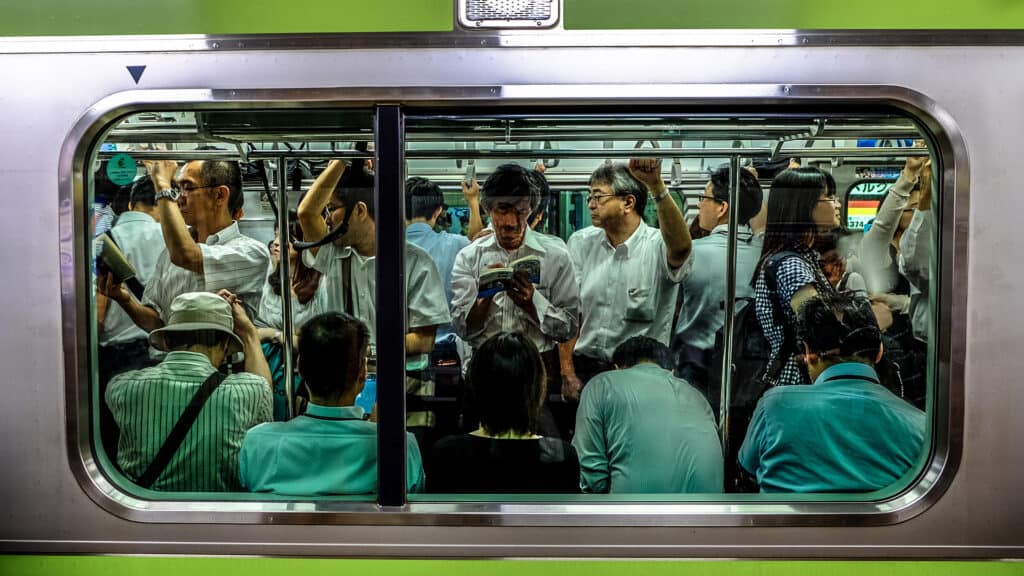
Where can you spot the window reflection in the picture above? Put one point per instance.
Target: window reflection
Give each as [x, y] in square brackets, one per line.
[566, 317]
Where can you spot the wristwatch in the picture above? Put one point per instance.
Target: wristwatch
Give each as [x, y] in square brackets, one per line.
[660, 197]
[169, 193]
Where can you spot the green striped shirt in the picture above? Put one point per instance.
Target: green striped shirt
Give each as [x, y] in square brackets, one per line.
[147, 403]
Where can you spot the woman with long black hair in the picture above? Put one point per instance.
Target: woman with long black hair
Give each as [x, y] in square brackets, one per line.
[801, 206]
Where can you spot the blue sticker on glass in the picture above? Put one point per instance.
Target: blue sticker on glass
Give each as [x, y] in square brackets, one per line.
[121, 169]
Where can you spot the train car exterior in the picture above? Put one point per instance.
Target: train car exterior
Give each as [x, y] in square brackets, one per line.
[407, 60]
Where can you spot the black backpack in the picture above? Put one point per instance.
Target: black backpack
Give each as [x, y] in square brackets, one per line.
[750, 366]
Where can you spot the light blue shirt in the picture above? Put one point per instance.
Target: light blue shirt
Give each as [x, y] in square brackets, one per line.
[442, 247]
[328, 450]
[844, 433]
[642, 430]
[703, 290]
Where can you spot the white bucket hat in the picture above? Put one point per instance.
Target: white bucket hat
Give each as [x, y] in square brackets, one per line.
[194, 311]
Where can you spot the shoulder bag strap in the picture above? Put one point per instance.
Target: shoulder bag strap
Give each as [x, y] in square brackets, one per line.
[346, 283]
[180, 430]
[788, 347]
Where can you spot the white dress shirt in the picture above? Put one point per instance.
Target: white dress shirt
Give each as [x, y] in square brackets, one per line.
[556, 298]
[626, 290]
[141, 240]
[231, 261]
[426, 303]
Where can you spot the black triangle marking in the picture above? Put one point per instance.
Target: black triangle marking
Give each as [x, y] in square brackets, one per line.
[136, 72]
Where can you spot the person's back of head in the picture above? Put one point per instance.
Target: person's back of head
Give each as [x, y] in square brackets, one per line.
[842, 329]
[510, 184]
[540, 182]
[642, 349]
[750, 194]
[507, 384]
[422, 198]
[143, 195]
[332, 356]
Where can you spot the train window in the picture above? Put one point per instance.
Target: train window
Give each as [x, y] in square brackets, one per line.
[592, 262]
[656, 306]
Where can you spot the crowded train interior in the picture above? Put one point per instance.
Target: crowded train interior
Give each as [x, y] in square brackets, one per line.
[655, 305]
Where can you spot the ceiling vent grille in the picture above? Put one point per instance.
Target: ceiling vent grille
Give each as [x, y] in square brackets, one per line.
[508, 13]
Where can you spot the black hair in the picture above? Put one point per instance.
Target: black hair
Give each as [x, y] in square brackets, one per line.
[332, 351]
[355, 186]
[507, 384]
[120, 202]
[642, 349]
[791, 204]
[183, 340]
[831, 187]
[843, 328]
[509, 184]
[769, 170]
[422, 198]
[544, 191]
[143, 193]
[623, 183]
[750, 194]
[224, 173]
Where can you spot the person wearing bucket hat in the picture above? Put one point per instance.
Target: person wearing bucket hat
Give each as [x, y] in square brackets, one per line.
[203, 330]
[204, 248]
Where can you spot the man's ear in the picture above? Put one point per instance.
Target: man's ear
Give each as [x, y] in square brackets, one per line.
[630, 202]
[362, 210]
[881, 351]
[723, 209]
[437, 213]
[221, 195]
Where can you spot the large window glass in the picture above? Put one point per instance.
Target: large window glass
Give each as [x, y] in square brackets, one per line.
[652, 306]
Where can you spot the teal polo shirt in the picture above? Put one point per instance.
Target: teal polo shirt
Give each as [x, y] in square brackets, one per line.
[327, 450]
[642, 430]
[844, 433]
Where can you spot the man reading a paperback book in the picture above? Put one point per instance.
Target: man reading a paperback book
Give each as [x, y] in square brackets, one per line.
[515, 280]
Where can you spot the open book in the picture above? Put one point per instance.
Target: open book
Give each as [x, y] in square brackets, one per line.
[113, 260]
[494, 280]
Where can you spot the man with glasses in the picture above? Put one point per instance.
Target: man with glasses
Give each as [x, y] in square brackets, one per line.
[701, 294]
[546, 312]
[205, 251]
[628, 271]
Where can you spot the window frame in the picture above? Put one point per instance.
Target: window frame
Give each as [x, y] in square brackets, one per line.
[393, 508]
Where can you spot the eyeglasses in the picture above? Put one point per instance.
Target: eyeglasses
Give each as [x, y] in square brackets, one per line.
[830, 199]
[186, 190]
[702, 198]
[598, 197]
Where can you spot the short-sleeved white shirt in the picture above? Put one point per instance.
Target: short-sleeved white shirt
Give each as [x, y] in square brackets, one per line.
[141, 240]
[556, 298]
[425, 298]
[626, 290]
[231, 261]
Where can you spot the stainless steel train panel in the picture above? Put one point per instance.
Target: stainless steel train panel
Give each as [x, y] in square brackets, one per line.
[58, 94]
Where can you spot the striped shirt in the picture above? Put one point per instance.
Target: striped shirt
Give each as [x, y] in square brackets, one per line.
[556, 298]
[147, 403]
[231, 261]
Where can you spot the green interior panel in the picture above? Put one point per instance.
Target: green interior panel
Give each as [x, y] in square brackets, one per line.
[798, 14]
[112, 17]
[174, 566]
